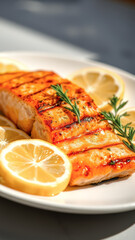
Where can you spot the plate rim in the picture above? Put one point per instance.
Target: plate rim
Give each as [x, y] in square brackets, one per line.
[24, 198]
[70, 58]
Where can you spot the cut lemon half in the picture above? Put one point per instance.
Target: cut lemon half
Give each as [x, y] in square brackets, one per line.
[130, 118]
[6, 122]
[35, 167]
[100, 83]
[11, 65]
[8, 134]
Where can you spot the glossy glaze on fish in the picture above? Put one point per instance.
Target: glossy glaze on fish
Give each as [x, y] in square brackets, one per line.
[95, 151]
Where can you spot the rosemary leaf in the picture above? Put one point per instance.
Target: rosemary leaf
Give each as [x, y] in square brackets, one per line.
[125, 131]
[63, 96]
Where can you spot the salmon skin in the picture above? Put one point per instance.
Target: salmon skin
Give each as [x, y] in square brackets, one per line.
[95, 151]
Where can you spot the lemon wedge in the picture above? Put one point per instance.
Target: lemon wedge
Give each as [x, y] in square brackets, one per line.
[6, 122]
[8, 134]
[35, 167]
[100, 83]
[10, 65]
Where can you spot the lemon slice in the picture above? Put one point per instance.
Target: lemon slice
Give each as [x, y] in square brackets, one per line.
[130, 118]
[11, 65]
[100, 83]
[35, 167]
[6, 122]
[8, 134]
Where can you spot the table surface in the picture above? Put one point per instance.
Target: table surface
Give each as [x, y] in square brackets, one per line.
[87, 37]
[105, 27]
[18, 222]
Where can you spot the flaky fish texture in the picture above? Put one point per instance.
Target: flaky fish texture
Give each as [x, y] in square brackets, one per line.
[95, 151]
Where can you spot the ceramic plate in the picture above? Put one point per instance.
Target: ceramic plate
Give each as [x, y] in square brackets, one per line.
[107, 197]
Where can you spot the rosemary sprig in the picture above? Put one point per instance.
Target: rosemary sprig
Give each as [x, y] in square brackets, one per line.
[63, 96]
[124, 131]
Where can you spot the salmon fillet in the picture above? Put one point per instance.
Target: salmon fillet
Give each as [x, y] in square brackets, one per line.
[95, 151]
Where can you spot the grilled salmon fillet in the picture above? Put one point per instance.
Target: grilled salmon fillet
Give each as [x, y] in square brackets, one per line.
[95, 151]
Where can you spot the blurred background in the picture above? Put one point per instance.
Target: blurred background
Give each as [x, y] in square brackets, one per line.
[103, 30]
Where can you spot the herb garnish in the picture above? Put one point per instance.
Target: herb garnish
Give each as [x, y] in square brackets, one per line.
[112, 162]
[124, 131]
[63, 96]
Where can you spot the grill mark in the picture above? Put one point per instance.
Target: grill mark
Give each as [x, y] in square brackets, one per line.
[66, 82]
[14, 77]
[85, 119]
[10, 73]
[119, 161]
[107, 145]
[32, 94]
[96, 118]
[75, 122]
[47, 97]
[58, 103]
[89, 103]
[45, 89]
[51, 106]
[31, 81]
[98, 130]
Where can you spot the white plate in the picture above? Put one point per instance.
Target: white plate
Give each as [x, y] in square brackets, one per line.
[107, 197]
